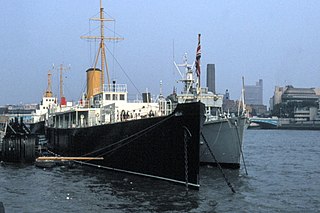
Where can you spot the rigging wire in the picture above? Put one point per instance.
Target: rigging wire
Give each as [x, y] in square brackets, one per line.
[218, 164]
[113, 51]
[240, 147]
[131, 137]
[124, 71]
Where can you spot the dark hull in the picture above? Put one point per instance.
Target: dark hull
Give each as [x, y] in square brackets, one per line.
[152, 147]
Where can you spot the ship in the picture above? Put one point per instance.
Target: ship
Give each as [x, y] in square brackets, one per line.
[222, 133]
[150, 137]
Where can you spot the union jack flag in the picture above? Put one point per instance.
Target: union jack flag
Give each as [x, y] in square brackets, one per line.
[198, 56]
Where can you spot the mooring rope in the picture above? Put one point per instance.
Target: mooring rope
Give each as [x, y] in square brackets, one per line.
[215, 141]
[240, 147]
[217, 137]
[219, 166]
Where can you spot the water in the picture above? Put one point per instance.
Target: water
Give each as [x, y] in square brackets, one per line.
[284, 176]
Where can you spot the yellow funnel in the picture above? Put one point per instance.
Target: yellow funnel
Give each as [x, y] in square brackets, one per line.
[93, 82]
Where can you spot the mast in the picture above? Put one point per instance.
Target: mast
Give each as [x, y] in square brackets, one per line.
[241, 103]
[101, 50]
[62, 98]
[48, 92]
[103, 56]
[187, 78]
[243, 97]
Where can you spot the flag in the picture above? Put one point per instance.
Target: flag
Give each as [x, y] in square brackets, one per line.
[198, 56]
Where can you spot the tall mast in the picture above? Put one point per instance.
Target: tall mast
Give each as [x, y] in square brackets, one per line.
[61, 82]
[101, 50]
[103, 53]
[243, 96]
[62, 98]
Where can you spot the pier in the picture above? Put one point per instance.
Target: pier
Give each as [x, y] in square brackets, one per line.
[18, 144]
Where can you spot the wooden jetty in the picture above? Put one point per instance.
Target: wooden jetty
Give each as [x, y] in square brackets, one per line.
[18, 144]
[49, 162]
[69, 158]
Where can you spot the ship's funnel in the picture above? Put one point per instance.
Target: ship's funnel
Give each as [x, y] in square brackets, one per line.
[93, 82]
[63, 101]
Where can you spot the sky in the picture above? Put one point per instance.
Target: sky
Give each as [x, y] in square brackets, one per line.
[277, 41]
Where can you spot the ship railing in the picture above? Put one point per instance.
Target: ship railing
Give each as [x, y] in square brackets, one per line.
[115, 88]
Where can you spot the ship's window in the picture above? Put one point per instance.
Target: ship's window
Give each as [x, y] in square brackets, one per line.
[114, 97]
[121, 97]
[107, 96]
[44, 107]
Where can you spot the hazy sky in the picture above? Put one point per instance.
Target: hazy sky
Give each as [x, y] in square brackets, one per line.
[277, 41]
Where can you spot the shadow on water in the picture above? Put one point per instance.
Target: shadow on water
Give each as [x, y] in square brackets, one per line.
[86, 189]
[139, 194]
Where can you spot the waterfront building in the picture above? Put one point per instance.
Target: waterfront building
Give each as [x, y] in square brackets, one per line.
[254, 93]
[23, 111]
[254, 98]
[229, 105]
[301, 104]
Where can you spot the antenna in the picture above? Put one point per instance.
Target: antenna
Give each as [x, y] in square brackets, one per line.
[160, 88]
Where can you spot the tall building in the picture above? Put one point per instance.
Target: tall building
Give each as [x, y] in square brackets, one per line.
[211, 78]
[254, 93]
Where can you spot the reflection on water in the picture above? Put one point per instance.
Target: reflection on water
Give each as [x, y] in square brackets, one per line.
[283, 176]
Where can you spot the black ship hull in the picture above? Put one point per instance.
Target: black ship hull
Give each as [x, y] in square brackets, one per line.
[162, 147]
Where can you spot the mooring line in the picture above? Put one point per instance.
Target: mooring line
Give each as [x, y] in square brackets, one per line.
[240, 147]
[218, 164]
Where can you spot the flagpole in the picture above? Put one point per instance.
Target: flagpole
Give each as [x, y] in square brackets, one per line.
[198, 56]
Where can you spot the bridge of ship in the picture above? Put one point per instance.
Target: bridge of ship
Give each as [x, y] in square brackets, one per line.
[268, 121]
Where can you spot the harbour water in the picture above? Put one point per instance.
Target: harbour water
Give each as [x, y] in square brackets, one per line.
[283, 176]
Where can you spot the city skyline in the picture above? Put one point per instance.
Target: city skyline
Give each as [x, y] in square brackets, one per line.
[273, 40]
